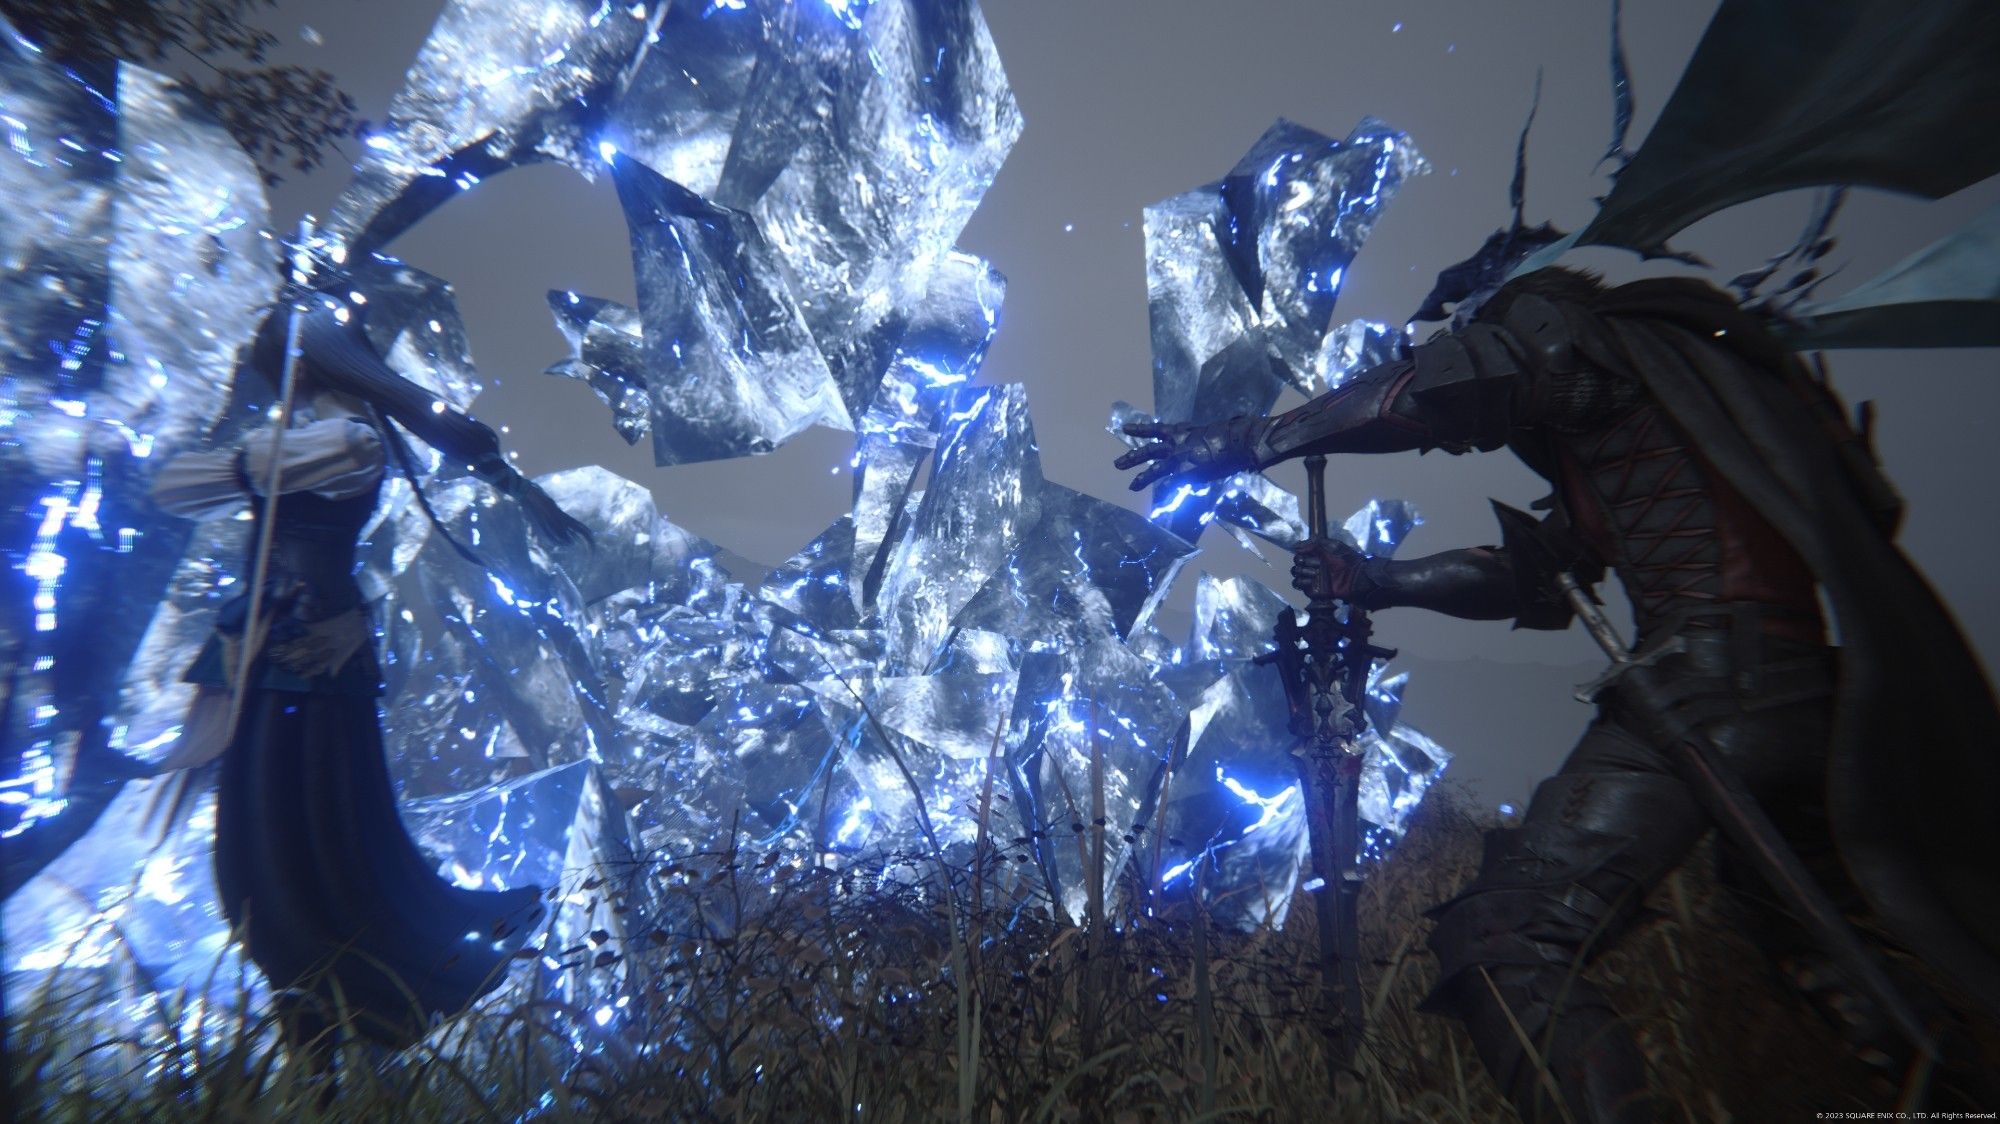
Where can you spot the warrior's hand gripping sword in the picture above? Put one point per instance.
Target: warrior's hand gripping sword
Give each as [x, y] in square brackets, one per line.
[1325, 664]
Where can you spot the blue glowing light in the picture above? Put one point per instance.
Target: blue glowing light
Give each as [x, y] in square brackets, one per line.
[1181, 495]
[849, 12]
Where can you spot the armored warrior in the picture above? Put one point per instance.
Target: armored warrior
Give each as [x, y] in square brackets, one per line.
[1715, 473]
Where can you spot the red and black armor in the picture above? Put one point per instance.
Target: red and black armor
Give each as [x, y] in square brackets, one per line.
[1700, 461]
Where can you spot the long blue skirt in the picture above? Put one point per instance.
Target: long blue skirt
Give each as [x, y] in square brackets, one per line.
[347, 919]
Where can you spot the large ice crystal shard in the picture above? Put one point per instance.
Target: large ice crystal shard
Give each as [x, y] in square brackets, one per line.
[59, 175]
[124, 899]
[1302, 204]
[1232, 822]
[509, 835]
[678, 111]
[524, 622]
[498, 83]
[1242, 276]
[857, 137]
[522, 832]
[132, 260]
[812, 584]
[192, 268]
[886, 473]
[1354, 347]
[1257, 504]
[1380, 526]
[1089, 570]
[609, 355]
[1098, 728]
[919, 749]
[1211, 359]
[941, 344]
[869, 137]
[782, 745]
[1234, 618]
[983, 495]
[730, 366]
[627, 545]
[690, 798]
[1402, 763]
[412, 320]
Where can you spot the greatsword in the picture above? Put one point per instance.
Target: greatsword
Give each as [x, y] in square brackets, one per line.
[1325, 665]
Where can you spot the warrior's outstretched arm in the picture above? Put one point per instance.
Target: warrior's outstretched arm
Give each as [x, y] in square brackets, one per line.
[1459, 391]
[1456, 392]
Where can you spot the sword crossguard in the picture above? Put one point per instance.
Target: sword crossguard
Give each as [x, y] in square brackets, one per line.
[1590, 692]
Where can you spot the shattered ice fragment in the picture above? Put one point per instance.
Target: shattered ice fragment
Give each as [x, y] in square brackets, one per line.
[1353, 347]
[122, 899]
[1252, 501]
[1380, 526]
[512, 834]
[1302, 204]
[729, 364]
[983, 496]
[413, 321]
[814, 583]
[497, 83]
[1242, 275]
[609, 355]
[1089, 570]
[1098, 730]
[782, 748]
[861, 152]
[1234, 618]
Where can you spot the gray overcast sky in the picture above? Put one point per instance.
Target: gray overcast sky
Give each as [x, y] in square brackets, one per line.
[1130, 101]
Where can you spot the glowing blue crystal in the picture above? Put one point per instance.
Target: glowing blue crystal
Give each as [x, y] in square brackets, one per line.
[512, 834]
[496, 84]
[861, 153]
[983, 496]
[1242, 275]
[124, 900]
[1234, 618]
[729, 364]
[1356, 346]
[1089, 571]
[1380, 527]
[1098, 730]
[609, 355]
[131, 263]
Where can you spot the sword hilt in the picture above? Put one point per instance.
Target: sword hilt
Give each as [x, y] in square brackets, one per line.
[1316, 496]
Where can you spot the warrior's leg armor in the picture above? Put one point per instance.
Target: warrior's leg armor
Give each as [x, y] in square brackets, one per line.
[1550, 895]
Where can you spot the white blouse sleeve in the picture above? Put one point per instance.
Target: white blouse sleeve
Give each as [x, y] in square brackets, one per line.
[336, 458]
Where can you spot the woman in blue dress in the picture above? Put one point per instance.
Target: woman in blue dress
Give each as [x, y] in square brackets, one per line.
[348, 920]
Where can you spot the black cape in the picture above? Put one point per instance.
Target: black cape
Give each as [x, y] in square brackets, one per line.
[1915, 766]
